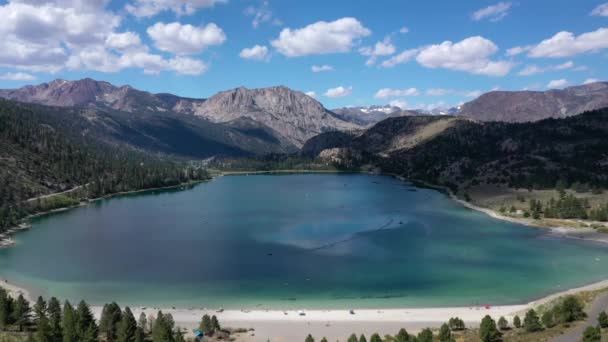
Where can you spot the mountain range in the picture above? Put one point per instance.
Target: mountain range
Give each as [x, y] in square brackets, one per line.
[241, 121]
[289, 117]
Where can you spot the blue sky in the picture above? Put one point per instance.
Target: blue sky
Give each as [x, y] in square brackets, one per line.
[415, 54]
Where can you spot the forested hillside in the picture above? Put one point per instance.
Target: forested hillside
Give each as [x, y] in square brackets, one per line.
[43, 150]
[460, 153]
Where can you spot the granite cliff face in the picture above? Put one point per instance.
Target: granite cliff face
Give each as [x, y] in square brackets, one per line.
[529, 106]
[296, 116]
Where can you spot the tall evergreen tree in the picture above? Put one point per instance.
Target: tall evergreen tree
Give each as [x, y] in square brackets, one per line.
[54, 313]
[127, 327]
[142, 322]
[309, 338]
[21, 313]
[111, 316]
[352, 338]
[163, 328]
[362, 338]
[5, 309]
[68, 323]
[86, 328]
[43, 329]
[39, 309]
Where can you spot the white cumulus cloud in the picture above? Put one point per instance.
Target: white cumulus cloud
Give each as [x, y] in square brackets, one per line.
[382, 48]
[122, 41]
[470, 55]
[339, 92]
[185, 39]
[17, 76]
[557, 83]
[256, 53]
[566, 44]
[494, 13]
[400, 58]
[311, 94]
[321, 38]
[149, 8]
[388, 92]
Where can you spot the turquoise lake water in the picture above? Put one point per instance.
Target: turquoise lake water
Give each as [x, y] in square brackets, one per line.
[294, 241]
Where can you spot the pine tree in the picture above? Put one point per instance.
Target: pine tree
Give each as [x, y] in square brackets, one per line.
[309, 338]
[456, 324]
[43, 329]
[375, 338]
[547, 319]
[86, 328]
[402, 336]
[352, 338]
[445, 335]
[39, 309]
[531, 321]
[592, 334]
[517, 322]
[21, 312]
[426, 335]
[362, 338]
[139, 335]
[54, 313]
[488, 331]
[215, 324]
[323, 339]
[142, 322]
[5, 309]
[571, 309]
[127, 327]
[603, 319]
[163, 328]
[68, 323]
[111, 316]
[502, 323]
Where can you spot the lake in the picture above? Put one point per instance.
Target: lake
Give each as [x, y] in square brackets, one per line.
[294, 241]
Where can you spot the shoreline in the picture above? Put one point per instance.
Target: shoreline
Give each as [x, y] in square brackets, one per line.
[287, 325]
[6, 237]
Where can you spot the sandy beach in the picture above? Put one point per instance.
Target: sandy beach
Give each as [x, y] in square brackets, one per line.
[290, 325]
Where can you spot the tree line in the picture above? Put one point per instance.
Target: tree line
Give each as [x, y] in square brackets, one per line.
[570, 309]
[49, 321]
[42, 153]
